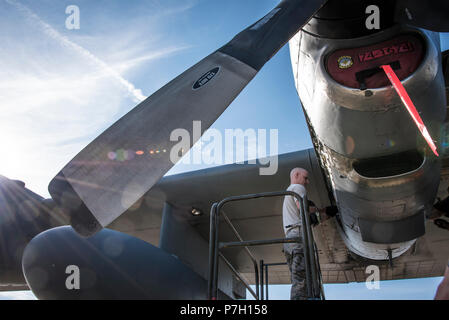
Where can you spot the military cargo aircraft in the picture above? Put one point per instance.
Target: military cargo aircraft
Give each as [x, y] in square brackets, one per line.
[370, 159]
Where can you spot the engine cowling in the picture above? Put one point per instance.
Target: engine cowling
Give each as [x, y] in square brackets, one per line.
[23, 215]
[383, 175]
[60, 264]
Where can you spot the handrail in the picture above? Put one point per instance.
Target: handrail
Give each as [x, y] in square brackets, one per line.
[320, 275]
[266, 265]
[307, 235]
[237, 274]
[256, 242]
[250, 254]
[238, 235]
[311, 249]
[213, 270]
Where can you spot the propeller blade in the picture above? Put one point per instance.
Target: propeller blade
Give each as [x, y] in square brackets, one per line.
[95, 190]
[431, 15]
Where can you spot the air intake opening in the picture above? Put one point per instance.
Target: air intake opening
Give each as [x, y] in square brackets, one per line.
[391, 165]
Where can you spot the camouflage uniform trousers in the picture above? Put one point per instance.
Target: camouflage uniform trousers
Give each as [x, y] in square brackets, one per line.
[294, 253]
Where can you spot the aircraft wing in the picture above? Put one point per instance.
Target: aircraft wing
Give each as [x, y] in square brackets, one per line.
[9, 287]
[261, 219]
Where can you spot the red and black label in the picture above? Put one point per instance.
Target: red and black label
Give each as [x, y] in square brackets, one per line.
[344, 64]
[404, 47]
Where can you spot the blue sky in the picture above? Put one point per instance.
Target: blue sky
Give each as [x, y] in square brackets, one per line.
[409, 289]
[63, 88]
[60, 88]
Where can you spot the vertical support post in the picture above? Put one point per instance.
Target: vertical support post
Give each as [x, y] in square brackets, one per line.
[311, 249]
[305, 243]
[266, 282]
[211, 252]
[256, 272]
[261, 280]
[215, 287]
[320, 277]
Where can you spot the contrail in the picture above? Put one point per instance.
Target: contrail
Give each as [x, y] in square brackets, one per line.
[135, 93]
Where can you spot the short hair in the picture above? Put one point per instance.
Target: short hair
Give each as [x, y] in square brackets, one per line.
[295, 170]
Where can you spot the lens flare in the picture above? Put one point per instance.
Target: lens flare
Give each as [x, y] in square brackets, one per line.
[112, 155]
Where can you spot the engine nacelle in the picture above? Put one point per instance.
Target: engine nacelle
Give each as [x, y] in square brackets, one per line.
[23, 215]
[60, 264]
[383, 175]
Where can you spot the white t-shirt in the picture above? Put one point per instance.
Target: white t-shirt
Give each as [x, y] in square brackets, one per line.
[290, 213]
